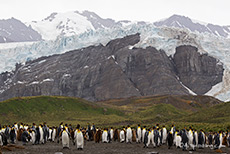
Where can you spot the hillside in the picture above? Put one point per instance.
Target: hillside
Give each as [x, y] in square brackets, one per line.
[215, 114]
[145, 110]
[53, 110]
[188, 103]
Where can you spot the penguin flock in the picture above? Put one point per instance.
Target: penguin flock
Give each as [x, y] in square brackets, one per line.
[185, 139]
[41, 134]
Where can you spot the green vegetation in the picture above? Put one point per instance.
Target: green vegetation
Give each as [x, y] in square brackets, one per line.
[54, 109]
[179, 110]
[219, 113]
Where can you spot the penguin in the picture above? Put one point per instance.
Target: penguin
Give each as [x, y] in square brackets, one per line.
[201, 139]
[143, 133]
[90, 133]
[138, 134]
[98, 136]
[146, 138]
[160, 136]
[221, 139]
[15, 126]
[1, 141]
[216, 141]
[41, 134]
[45, 132]
[26, 127]
[116, 135]
[93, 128]
[7, 132]
[4, 139]
[105, 136]
[169, 139]
[111, 133]
[53, 134]
[129, 135]
[33, 136]
[195, 138]
[65, 139]
[134, 137]
[21, 126]
[151, 138]
[59, 130]
[13, 135]
[37, 137]
[50, 134]
[79, 138]
[33, 126]
[225, 141]
[109, 136]
[190, 139]
[173, 129]
[25, 136]
[164, 133]
[210, 137]
[174, 136]
[184, 140]
[178, 140]
[122, 135]
[156, 136]
[228, 138]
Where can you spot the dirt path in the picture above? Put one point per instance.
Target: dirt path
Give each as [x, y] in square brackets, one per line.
[103, 148]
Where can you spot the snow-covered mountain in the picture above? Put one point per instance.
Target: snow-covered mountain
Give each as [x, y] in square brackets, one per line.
[194, 25]
[75, 30]
[13, 30]
[71, 23]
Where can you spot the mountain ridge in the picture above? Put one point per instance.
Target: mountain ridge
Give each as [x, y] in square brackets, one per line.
[75, 22]
[95, 22]
[180, 21]
[13, 30]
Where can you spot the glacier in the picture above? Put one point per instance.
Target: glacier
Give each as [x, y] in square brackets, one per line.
[162, 38]
[69, 23]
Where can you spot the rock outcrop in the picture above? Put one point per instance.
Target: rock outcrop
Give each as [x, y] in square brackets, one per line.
[117, 70]
[198, 72]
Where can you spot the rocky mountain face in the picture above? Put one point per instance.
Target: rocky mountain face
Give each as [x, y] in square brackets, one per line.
[13, 30]
[116, 70]
[185, 22]
[193, 68]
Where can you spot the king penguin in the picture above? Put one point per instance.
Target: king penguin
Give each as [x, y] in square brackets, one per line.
[33, 136]
[105, 136]
[122, 135]
[143, 133]
[138, 134]
[65, 139]
[164, 133]
[129, 135]
[78, 136]
[53, 134]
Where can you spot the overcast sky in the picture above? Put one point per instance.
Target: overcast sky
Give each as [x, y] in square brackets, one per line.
[211, 11]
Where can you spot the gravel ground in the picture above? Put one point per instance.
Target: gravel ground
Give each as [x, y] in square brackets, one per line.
[103, 148]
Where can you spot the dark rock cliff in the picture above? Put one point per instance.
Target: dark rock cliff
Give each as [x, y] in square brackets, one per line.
[113, 71]
[198, 72]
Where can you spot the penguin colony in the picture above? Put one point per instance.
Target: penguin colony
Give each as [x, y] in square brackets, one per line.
[185, 139]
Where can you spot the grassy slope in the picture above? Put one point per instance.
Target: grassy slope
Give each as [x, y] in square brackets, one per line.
[216, 114]
[187, 103]
[54, 110]
[148, 111]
